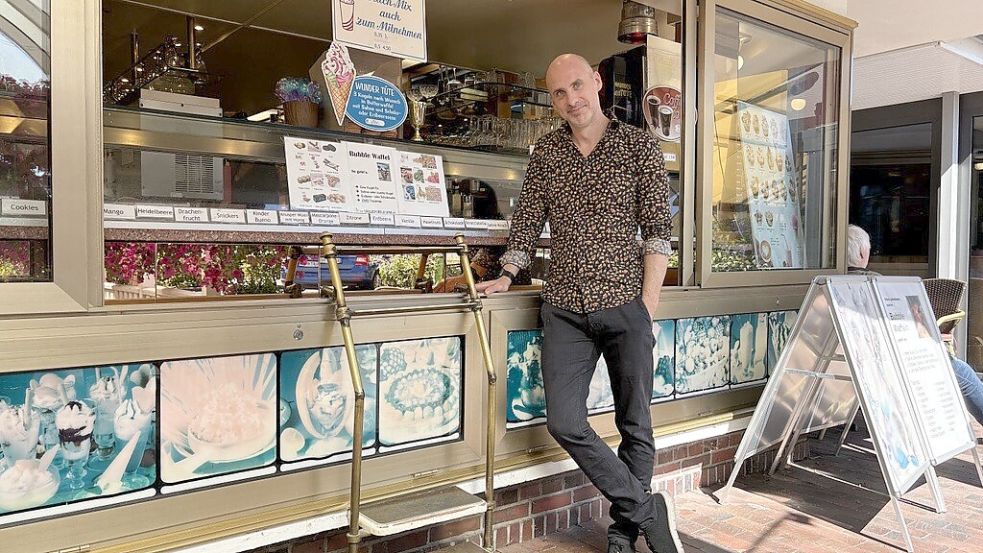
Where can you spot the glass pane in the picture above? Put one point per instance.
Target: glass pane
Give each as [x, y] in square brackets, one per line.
[974, 341]
[890, 188]
[774, 147]
[25, 176]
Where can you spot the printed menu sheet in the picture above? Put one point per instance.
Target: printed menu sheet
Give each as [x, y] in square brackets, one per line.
[934, 390]
[316, 175]
[422, 190]
[372, 174]
[866, 340]
[772, 189]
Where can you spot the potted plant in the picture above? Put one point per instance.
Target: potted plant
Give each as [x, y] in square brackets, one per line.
[301, 100]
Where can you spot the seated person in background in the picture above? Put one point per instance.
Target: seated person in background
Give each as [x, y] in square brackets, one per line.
[484, 263]
[858, 255]
[484, 266]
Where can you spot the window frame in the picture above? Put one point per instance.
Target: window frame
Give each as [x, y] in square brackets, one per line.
[769, 12]
[75, 138]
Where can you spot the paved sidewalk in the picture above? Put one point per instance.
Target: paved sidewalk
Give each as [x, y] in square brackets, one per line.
[797, 511]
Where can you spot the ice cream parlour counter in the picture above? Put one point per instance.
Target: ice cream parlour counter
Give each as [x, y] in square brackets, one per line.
[206, 417]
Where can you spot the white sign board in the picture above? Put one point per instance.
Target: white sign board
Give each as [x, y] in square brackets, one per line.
[422, 190]
[316, 172]
[772, 187]
[926, 367]
[391, 27]
[372, 174]
[876, 375]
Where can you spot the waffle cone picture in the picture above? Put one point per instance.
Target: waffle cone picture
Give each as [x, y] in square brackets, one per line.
[339, 94]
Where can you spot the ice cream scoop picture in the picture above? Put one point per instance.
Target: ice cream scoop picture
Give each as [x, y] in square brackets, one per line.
[217, 415]
[19, 432]
[748, 345]
[26, 485]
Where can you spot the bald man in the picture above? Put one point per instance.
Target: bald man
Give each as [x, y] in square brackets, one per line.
[599, 181]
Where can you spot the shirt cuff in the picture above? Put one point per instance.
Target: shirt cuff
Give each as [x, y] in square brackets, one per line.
[515, 257]
[656, 246]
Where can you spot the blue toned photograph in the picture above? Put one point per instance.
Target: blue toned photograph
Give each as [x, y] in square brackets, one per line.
[526, 398]
[780, 325]
[748, 347]
[702, 354]
[218, 415]
[664, 359]
[317, 402]
[73, 434]
[419, 390]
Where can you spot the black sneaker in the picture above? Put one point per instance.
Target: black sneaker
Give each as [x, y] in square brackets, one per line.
[661, 535]
[617, 546]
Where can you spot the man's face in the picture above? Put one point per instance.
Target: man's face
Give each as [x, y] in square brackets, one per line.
[574, 91]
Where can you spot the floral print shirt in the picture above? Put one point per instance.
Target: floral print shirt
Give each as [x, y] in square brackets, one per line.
[595, 206]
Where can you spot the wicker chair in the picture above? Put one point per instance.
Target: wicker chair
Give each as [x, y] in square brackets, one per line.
[946, 295]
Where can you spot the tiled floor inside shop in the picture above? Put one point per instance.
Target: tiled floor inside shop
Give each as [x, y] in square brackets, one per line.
[797, 511]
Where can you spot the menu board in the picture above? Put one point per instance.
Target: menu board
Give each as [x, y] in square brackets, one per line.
[867, 343]
[772, 193]
[422, 190]
[315, 175]
[924, 363]
[372, 174]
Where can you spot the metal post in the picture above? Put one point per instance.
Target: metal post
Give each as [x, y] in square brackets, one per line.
[904, 525]
[846, 429]
[192, 39]
[490, 408]
[933, 484]
[822, 363]
[344, 317]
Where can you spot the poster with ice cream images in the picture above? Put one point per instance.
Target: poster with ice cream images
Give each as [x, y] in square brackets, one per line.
[218, 415]
[419, 391]
[772, 187]
[316, 175]
[422, 190]
[748, 348]
[317, 402]
[372, 175]
[664, 360]
[73, 434]
[780, 325]
[702, 354]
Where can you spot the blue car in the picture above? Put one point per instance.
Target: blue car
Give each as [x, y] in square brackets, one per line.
[357, 272]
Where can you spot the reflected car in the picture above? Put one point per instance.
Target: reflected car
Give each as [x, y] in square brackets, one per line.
[357, 272]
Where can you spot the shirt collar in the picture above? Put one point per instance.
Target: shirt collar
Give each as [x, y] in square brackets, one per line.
[612, 126]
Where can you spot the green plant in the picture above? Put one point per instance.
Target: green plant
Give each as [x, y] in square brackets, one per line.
[400, 270]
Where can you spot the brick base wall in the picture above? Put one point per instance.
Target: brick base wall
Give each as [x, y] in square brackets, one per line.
[555, 503]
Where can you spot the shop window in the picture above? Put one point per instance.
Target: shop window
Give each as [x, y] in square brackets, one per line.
[25, 168]
[774, 147]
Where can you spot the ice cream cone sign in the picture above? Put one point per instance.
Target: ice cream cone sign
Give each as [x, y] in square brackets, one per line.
[339, 74]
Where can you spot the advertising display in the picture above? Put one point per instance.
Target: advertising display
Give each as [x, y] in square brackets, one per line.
[422, 190]
[74, 434]
[396, 29]
[772, 188]
[316, 172]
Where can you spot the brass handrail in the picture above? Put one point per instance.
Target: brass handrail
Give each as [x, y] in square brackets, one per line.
[344, 314]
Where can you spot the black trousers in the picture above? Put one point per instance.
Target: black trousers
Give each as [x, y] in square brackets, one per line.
[572, 344]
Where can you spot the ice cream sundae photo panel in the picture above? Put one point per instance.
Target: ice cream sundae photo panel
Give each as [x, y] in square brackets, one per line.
[75, 434]
[317, 402]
